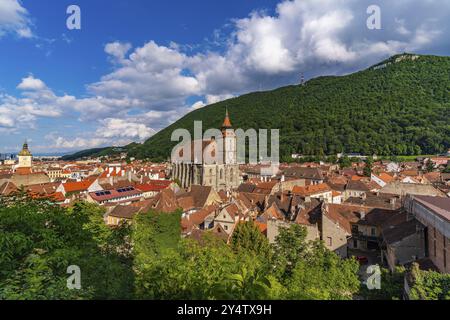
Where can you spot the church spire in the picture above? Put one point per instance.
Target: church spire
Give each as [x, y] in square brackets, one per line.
[25, 151]
[226, 122]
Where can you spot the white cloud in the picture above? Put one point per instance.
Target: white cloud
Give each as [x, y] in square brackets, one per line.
[31, 83]
[118, 50]
[149, 85]
[14, 19]
[120, 128]
[198, 105]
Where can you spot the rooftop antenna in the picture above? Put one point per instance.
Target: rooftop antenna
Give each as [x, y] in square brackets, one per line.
[302, 79]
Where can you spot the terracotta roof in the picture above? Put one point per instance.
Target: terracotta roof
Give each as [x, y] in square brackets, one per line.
[304, 173]
[386, 177]
[8, 188]
[109, 195]
[273, 212]
[197, 218]
[262, 227]
[433, 176]
[46, 188]
[410, 173]
[124, 212]
[226, 122]
[186, 203]
[154, 185]
[199, 194]
[357, 185]
[344, 215]
[165, 201]
[246, 187]
[77, 186]
[311, 189]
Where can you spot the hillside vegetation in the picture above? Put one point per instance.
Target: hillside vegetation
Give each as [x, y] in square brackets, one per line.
[400, 106]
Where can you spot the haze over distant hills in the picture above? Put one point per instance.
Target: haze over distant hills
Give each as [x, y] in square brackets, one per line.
[400, 106]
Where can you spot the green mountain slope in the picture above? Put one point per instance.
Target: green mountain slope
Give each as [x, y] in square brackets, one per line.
[400, 106]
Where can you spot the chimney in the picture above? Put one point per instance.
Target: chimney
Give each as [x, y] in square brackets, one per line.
[392, 201]
[362, 215]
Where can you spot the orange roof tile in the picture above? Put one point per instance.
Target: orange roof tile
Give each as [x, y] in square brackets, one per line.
[311, 189]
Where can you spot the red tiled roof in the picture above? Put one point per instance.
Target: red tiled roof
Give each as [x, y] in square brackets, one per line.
[311, 189]
[154, 185]
[77, 186]
[109, 195]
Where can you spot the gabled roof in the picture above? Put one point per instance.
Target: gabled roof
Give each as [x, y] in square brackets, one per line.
[357, 186]
[165, 201]
[246, 187]
[8, 188]
[77, 186]
[394, 234]
[311, 190]
[110, 195]
[124, 212]
[439, 205]
[304, 173]
[401, 188]
[154, 185]
[198, 194]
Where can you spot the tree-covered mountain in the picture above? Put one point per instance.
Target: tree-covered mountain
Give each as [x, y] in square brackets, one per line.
[400, 106]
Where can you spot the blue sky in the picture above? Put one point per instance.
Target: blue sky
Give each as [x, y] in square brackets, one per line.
[136, 65]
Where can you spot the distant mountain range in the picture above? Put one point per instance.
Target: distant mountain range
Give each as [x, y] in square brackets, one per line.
[400, 106]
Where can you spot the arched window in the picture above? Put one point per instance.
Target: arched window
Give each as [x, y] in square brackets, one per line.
[231, 175]
[221, 174]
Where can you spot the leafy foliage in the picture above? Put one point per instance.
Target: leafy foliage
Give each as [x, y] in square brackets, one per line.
[429, 285]
[150, 259]
[392, 286]
[38, 241]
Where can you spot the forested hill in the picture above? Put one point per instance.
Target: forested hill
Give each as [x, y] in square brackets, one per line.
[400, 106]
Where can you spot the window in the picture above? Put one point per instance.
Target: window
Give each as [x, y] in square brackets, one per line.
[445, 253]
[373, 231]
[445, 259]
[434, 247]
[221, 173]
[226, 228]
[329, 241]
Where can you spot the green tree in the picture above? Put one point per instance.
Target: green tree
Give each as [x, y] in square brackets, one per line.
[429, 285]
[345, 162]
[322, 275]
[290, 246]
[247, 237]
[38, 241]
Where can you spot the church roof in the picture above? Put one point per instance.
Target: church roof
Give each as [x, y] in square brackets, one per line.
[226, 123]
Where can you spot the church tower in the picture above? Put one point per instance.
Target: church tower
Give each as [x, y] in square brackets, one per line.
[229, 141]
[25, 157]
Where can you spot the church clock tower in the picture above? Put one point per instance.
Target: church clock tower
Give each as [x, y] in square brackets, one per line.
[229, 140]
[25, 157]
